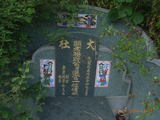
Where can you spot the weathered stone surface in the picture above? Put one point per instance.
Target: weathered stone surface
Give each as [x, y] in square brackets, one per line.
[45, 52]
[77, 108]
[119, 83]
[78, 61]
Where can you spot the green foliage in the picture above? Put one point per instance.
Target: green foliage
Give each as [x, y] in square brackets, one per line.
[130, 47]
[127, 9]
[119, 65]
[30, 11]
[129, 50]
[14, 88]
[14, 72]
[48, 9]
[144, 70]
[137, 17]
[142, 12]
[13, 98]
[151, 102]
[56, 36]
[152, 22]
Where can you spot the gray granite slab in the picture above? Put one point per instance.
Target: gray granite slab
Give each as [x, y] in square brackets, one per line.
[77, 108]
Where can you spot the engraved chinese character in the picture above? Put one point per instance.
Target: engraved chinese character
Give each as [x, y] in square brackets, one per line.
[64, 44]
[75, 74]
[78, 43]
[91, 45]
[63, 79]
[75, 87]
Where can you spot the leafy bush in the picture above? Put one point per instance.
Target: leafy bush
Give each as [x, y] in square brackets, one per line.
[142, 12]
[13, 71]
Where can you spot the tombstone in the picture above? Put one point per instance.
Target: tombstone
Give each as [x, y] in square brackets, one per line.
[44, 53]
[79, 70]
[76, 65]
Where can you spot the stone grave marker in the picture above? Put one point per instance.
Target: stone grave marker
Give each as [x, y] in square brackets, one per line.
[76, 65]
[79, 65]
[82, 65]
[44, 53]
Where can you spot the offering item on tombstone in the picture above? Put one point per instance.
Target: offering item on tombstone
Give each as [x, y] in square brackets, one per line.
[47, 72]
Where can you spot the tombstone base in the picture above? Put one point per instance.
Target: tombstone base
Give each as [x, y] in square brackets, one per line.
[76, 108]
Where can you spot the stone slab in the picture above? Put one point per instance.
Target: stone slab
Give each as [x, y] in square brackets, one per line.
[45, 52]
[76, 108]
[79, 62]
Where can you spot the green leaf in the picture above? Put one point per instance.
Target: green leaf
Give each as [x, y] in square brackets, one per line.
[113, 14]
[121, 14]
[27, 70]
[15, 79]
[128, 10]
[30, 11]
[28, 19]
[137, 18]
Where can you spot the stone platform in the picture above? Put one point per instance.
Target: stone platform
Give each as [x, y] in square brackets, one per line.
[76, 108]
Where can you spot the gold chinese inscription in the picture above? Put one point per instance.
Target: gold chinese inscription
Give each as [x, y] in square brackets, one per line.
[91, 45]
[89, 62]
[63, 79]
[76, 64]
[64, 44]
